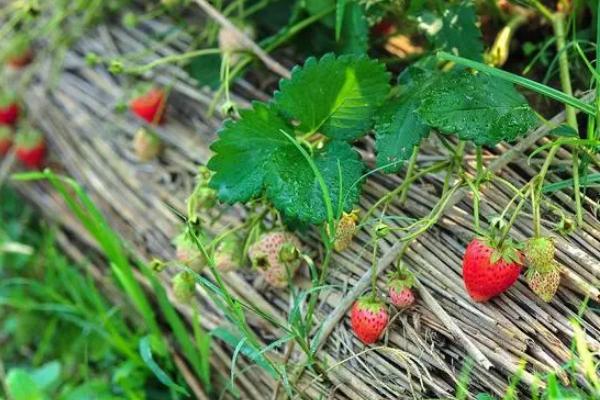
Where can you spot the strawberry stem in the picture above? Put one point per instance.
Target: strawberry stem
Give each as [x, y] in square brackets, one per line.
[478, 178]
[409, 172]
[374, 268]
[538, 184]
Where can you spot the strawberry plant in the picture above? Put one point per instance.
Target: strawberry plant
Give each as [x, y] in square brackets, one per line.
[411, 89]
[296, 149]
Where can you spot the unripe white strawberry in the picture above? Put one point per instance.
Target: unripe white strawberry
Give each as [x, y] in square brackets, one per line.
[276, 255]
[544, 282]
[146, 144]
[188, 253]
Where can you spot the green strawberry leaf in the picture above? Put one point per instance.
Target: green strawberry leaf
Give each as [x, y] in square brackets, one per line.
[455, 31]
[254, 156]
[480, 108]
[206, 70]
[398, 127]
[22, 386]
[337, 97]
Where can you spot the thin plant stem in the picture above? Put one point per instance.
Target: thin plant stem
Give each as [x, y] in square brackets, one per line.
[558, 23]
[374, 269]
[409, 171]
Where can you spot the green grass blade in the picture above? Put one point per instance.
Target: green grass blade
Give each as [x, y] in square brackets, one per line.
[146, 354]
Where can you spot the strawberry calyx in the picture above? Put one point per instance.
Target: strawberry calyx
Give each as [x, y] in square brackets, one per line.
[503, 250]
[401, 279]
[7, 99]
[371, 303]
[29, 139]
[19, 50]
[6, 133]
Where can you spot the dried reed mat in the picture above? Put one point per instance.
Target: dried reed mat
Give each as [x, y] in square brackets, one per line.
[425, 348]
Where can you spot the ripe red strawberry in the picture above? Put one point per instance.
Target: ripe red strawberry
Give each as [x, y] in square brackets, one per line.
[150, 106]
[9, 113]
[146, 144]
[6, 139]
[369, 318]
[488, 271]
[30, 148]
[276, 255]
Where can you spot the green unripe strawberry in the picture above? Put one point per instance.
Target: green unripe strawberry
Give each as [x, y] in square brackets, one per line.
[206, 198]
[228, 254]
[539, 253]
[184, 286]
[382, 230]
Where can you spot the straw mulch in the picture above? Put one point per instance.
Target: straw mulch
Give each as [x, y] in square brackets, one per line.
[425, 347]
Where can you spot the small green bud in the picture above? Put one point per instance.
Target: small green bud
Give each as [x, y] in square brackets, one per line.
[129, 20]
[229, 109]
[206, 198]
[288, 253]
[382, 230]
[204, 175]
[157, 265]
[92, 59]
[116, 67]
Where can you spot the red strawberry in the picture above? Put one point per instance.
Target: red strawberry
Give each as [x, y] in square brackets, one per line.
[276, 256]
[6, 139]
[150, 106]
[400, 288]
[31, 149]
[369, 318]
[401, 295]
[488, 271]
[9, 113]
